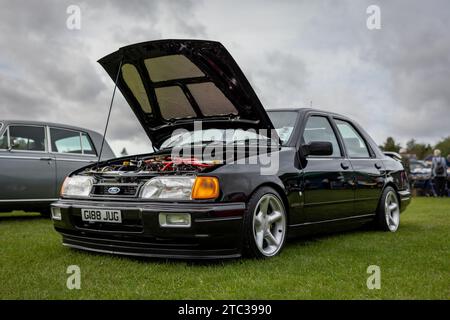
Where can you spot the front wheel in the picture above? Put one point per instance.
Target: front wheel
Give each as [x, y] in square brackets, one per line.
[388, 214]
[265, 224]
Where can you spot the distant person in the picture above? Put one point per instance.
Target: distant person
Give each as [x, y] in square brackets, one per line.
[439, 172]
[448, 180]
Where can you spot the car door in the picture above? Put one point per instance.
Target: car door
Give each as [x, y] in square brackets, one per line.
[328, 180]
[72, 149]
[369, 171]
[28, 171]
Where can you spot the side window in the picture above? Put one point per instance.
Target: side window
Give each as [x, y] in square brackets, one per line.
[354, 143]
[65, 141]
[88, 147]
[29, 138]
[318, 128]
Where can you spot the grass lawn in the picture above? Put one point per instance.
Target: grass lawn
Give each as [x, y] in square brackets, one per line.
[414, 262]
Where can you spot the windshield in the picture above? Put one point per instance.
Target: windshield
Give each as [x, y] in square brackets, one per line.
[284, 122]
[418, 165]
[211, 136]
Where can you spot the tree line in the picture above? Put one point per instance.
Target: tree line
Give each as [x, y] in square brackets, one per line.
[421, 150]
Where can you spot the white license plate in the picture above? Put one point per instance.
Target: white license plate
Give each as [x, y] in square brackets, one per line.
[101, 215]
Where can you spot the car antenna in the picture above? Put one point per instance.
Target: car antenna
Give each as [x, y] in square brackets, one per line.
[109, 113]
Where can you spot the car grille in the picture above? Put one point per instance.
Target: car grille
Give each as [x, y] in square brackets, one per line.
[125, 190]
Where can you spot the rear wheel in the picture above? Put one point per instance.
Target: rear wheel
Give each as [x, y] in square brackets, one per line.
[388, 214]
[264, 224]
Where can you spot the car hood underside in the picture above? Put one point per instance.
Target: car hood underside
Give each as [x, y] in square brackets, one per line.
[170, 84]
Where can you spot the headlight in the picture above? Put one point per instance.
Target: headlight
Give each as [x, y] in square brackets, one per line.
[178, 188]
[77, 186]
[181, 188]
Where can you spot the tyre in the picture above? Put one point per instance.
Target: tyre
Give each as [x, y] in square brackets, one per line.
[388, 212]
[265, 224]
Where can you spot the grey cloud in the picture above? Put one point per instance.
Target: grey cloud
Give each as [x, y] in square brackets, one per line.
[50, 73]
[283, 76]
[394, 80]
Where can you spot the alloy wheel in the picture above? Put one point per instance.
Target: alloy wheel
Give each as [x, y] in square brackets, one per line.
[392, 211]
[269, 225]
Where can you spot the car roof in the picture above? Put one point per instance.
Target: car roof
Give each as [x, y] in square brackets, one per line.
[43, 123]
[304, 110]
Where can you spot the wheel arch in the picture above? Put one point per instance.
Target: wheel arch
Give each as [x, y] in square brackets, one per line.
[281, 191]
[393, 185]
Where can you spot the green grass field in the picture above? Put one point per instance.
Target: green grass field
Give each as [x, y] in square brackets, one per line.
[414, 262]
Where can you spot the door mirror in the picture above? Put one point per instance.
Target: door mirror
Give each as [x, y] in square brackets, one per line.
[317, 148]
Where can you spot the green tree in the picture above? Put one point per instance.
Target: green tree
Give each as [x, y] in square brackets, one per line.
[421, 150]
[390, 145]
[444, 146]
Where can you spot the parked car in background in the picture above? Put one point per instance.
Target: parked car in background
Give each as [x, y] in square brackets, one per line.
[35, 157]
[420, 177]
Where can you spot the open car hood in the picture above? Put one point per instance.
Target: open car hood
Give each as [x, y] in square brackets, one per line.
[169, 84]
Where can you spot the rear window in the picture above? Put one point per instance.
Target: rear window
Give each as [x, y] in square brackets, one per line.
[87, 145]
[65, 141]
[356, 147]
[70, 141]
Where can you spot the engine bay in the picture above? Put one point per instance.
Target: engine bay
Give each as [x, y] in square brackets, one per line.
[159, 164]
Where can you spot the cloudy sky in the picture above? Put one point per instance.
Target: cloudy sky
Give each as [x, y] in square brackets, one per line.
[395, 81]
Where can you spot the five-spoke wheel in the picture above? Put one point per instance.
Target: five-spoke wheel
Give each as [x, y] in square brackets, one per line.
[266, 231]
[392, 211]
[388, 215]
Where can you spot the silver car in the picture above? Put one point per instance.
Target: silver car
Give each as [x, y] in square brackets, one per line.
[35, 157]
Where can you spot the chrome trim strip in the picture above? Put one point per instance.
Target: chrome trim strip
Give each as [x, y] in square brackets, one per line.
[333, 220]
[28, 200]
[327, 202]
[74, 154]
[20, 157]
[75, 160]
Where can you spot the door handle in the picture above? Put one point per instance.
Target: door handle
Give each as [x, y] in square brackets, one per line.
[46, 159]
[344, 166]
[377, 165]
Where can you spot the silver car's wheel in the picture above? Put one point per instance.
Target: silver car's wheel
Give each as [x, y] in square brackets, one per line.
[392, 211]
[269, 225]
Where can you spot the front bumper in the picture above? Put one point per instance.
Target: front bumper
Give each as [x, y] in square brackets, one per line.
[215, 231]
[405, 199]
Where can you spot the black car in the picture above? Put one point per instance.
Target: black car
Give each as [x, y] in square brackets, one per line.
[325, 172]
